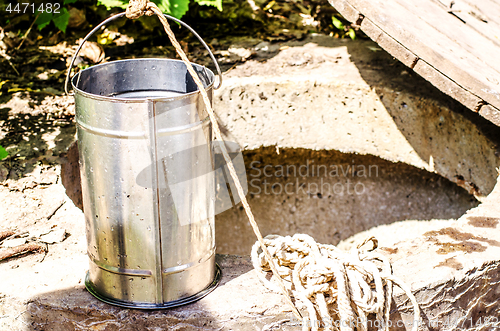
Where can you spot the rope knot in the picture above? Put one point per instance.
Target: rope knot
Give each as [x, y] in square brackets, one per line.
[137, 8]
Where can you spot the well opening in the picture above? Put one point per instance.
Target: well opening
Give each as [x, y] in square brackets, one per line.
[332, 195]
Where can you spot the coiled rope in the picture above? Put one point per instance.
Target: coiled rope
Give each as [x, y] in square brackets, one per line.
[320, 274]
[331, 282]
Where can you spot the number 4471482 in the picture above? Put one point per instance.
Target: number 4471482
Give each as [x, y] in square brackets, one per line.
[25, 7]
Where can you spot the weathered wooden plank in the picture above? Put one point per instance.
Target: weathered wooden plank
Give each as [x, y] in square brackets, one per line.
[347, 11]
[489, 30]
[481, 9]
[430, 45]
[457, 32]
[436, 49]
[491, 113]
[388, 43]
[488, 8]
[447, 86]
[422, 68]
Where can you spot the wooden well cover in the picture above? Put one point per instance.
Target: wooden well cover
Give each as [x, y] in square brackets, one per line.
[455, 45]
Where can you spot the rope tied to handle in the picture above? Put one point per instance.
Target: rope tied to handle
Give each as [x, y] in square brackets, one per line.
[137, 8]
[348, 285]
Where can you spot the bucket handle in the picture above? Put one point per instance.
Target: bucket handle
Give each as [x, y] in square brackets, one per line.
[111, 18]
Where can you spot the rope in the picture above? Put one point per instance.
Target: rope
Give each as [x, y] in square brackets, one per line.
[330, 282]
[137, 8]
[320, 276]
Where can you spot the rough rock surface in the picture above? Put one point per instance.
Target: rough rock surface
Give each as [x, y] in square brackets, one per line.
[451, 266]
[323, 95]
[330, 94]
[333, 206]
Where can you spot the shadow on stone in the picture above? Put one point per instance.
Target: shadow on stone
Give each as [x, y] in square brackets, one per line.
[76, 309]
[332, 195]
[428, 119]
[70, 176]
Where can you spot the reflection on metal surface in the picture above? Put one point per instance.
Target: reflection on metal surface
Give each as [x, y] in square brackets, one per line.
[138, 225]
[111, 133]
[185, 129]
[145, 305]
[130, 272]
[173, 270]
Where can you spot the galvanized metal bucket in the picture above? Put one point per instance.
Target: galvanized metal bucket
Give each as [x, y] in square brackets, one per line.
[146, 160]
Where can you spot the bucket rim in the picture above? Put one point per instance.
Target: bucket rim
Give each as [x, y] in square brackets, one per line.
[138, 100]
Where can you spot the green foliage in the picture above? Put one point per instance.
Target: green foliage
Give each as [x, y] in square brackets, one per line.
[43, 19]
[58, 15]
[61, 20]
[214, 3]
[351, 33]
[343, 29]
[113, 3]
[3, 153]
[337, 23]
[176, 8]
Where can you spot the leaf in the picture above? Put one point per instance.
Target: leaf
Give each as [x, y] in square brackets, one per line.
[3, 153]
[215, 3]
[19, 89]
[68, 1]
[178, 7]
[337, 23]
[352, 34]
[61, 20]
[269, 5]
[105, 38]
[15, 89]
[43, 20]
[113, 3]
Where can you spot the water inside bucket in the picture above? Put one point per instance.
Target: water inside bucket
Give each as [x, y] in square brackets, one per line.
[147, 94]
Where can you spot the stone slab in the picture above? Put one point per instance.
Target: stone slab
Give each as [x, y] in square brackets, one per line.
[320, 96]
[451, 265]
[330, 94]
